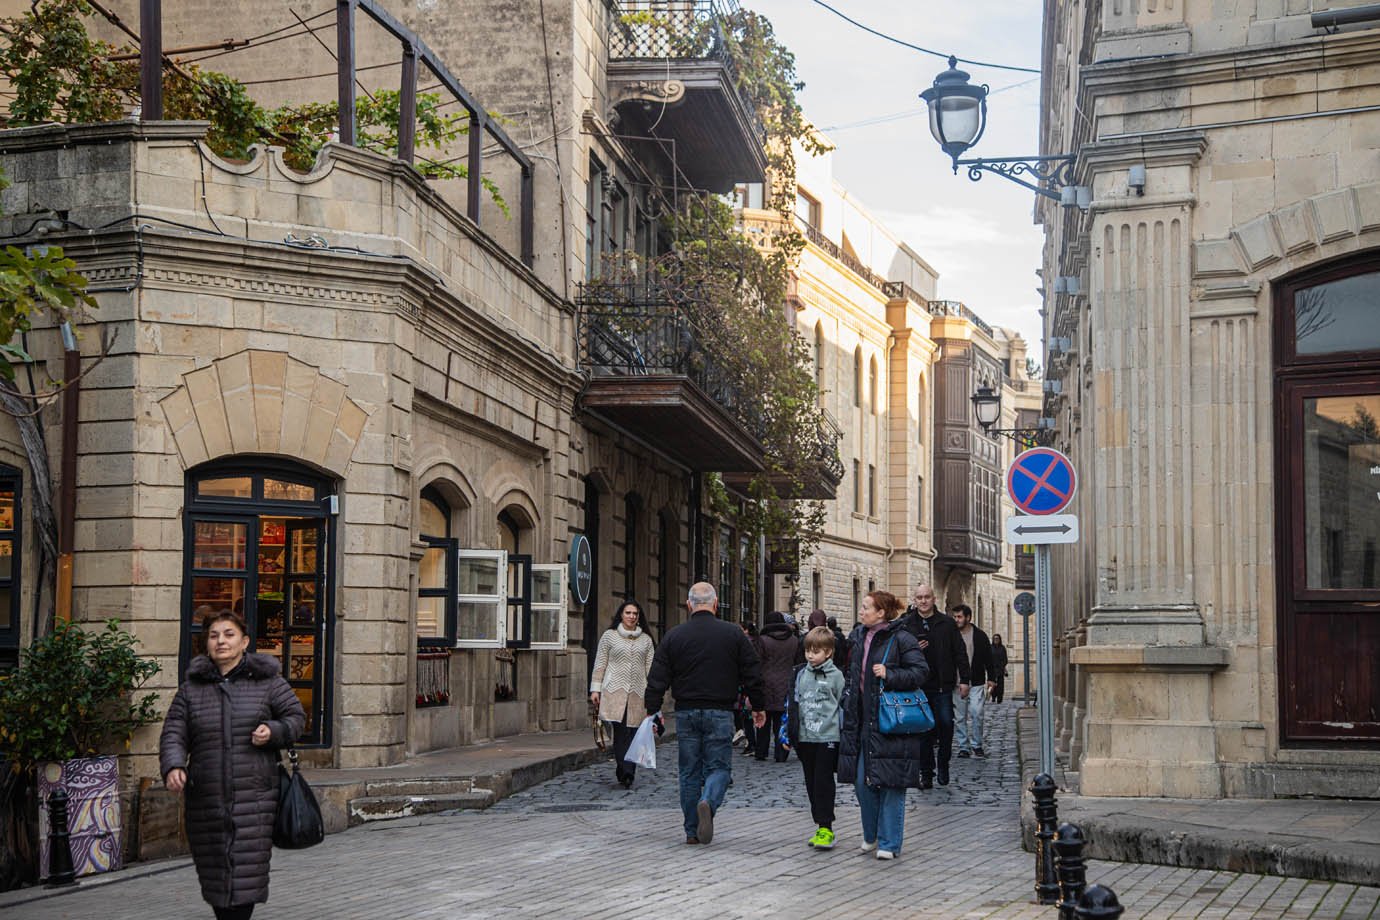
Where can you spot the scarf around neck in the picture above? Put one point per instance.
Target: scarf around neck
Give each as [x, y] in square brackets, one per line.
[629, 633]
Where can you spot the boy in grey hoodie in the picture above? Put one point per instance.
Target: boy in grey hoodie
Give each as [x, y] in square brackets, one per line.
[813, 727]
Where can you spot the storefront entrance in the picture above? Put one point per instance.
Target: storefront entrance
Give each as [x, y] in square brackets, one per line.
[1327, 398]
[258, 541]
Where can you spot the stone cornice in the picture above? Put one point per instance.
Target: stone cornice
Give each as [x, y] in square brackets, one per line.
[49, 137]
[1181, 148]
[1322, 52]
[429, 405]
[172, 259]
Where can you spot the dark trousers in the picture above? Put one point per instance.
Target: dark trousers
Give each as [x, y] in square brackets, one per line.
[999, 690]
[234, 912]
[622, 738]
[742, 719]
[821, 761]
[769, 736]
[942, 736]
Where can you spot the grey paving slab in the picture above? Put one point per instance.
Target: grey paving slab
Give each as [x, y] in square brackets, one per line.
[580, 846]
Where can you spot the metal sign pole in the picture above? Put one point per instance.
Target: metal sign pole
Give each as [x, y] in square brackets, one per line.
[1025, 636]
[1045, 631]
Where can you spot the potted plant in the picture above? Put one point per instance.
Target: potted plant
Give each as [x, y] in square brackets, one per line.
[73, 702]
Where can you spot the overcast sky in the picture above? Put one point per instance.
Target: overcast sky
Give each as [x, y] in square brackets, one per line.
[978, 236]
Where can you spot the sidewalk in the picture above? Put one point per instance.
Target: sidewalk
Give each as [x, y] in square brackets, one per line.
[471, 777]
[1327, 839]
[474, 776]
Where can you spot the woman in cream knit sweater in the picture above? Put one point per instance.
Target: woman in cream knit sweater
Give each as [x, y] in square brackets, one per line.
[619, 680]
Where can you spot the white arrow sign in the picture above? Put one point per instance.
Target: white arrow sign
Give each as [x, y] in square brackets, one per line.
[1039, 529]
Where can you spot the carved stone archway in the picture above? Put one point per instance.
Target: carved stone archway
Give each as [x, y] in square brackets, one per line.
[264, 402]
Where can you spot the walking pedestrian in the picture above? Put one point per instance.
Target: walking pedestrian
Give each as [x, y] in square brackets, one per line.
[220, 743]
[619, 680]
[703, 662]
[813, 728]
[948, 675]
[779, 649]
[742, 710]
[999, 663]
[841, 644]
[881, 767]
[968, 710]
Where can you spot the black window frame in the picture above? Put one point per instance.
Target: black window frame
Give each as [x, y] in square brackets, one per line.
[219, 508]
[449, 545]
[13, 478]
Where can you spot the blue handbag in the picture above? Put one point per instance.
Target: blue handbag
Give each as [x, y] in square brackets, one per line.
[902, 712]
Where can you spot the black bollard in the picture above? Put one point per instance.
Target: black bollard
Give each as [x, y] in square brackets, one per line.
[1098, 903]
[1042, 788]
[1072, 870]
[60, 871]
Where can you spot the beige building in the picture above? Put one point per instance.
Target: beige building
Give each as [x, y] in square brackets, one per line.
[1221, 380]
[919, 498]
[375, 413]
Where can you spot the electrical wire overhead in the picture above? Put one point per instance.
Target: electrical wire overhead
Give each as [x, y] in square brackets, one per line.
[914, 47]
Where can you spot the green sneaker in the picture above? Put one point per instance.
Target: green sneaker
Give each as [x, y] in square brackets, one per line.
[823, 839]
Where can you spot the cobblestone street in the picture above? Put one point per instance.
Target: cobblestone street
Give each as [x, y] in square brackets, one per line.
[580, 846]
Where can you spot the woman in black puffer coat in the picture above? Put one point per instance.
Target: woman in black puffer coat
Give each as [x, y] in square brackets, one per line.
[779, 649]
[880, 766]
[220, 743]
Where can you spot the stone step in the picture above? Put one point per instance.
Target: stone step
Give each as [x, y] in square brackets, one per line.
[384, 807]
[419, 786]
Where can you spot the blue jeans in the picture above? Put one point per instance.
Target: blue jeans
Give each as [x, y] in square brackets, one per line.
[942, 705]
[883, 812]
[705, 740]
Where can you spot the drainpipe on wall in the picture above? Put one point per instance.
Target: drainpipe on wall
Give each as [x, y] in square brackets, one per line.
[67, 481]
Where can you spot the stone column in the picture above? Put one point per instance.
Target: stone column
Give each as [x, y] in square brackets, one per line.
[1147, 661]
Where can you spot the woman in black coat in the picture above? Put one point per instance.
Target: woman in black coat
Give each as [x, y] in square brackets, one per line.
[778, 647]
[880, 766]
[998, 674]
[220, 744]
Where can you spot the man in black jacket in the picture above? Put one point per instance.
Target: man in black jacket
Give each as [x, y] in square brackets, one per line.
[703, 662]
[968, 712]
[948, 661]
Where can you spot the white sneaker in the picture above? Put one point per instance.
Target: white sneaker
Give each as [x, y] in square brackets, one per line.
[867, 847]
[738, 736]
[885, 854]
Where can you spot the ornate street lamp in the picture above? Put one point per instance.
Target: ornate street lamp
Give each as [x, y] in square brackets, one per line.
[958, 118]
[987, 408]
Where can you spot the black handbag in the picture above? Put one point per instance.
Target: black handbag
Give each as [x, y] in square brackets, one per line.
[298, 824]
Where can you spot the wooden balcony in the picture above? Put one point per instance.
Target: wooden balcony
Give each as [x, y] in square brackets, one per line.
[672, 81]
[967, 466]
[648, 377]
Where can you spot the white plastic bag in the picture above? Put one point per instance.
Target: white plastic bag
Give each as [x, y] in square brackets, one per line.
[642, 751]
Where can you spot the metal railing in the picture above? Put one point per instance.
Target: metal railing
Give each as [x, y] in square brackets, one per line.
[827, 437]
[636, 328]
[899, 290]
[688, 30]
[957, 308]
[835, 250]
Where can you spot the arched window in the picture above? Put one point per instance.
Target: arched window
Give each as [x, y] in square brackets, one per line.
[872, 385]
[819, 355]
[436, 574]
[10, 481]
[257, 536]
[857, 376]
[1327, 436]
[920, 411]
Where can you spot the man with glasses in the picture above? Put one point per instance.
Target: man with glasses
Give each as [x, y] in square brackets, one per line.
[948, 660]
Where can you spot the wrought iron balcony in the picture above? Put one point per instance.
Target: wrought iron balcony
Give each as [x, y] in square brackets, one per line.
[649, 374]
[671, 77]
[817, 468]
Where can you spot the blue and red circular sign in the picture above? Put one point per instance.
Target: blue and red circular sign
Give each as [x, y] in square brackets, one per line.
[1041, 481]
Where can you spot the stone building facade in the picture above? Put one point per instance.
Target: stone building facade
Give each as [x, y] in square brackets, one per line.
[350, 405]
[1217, 634]
[897, 369]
